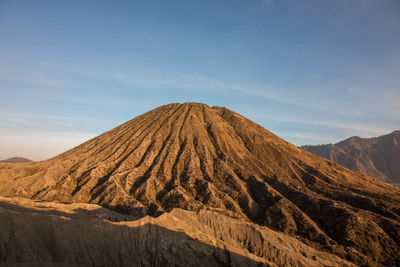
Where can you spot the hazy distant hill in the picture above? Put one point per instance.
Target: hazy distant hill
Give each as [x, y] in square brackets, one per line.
[378, 157]
[236, 180]
[15, 160]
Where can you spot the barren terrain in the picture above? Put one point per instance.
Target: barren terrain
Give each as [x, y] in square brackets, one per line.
[221, 166]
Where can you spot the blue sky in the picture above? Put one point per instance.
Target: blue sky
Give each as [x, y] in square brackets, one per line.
[310, 71]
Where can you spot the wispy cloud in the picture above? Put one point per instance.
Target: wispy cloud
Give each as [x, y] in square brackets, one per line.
[370, 129]
[305, 137]
[92, 76]
[128, 76]
[125, 77]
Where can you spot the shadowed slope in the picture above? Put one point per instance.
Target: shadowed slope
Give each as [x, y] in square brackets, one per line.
[191, 156]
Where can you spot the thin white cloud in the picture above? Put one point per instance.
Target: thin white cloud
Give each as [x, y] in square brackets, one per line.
[333, 124]
[124, 77]
[313, 138]
[133, 76]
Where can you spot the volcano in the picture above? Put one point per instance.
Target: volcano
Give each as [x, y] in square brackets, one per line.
[198, 158]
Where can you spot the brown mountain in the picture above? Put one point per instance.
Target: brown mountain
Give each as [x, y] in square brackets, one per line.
[16, 160]
[194, 157]
[378, 157]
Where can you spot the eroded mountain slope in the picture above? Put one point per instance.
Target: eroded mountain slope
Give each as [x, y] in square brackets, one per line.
[191, 156]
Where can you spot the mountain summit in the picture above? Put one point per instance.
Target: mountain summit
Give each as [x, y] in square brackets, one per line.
[194, 157]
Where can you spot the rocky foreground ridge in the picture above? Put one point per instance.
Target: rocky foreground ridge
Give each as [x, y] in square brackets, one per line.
[56, 234]
[214, 161]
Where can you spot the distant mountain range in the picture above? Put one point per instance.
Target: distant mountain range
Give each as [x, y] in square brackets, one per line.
[378, 157]
[16, 160]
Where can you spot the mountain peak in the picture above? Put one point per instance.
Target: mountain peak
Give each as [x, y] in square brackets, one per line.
[187, 104]
[191, 104]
